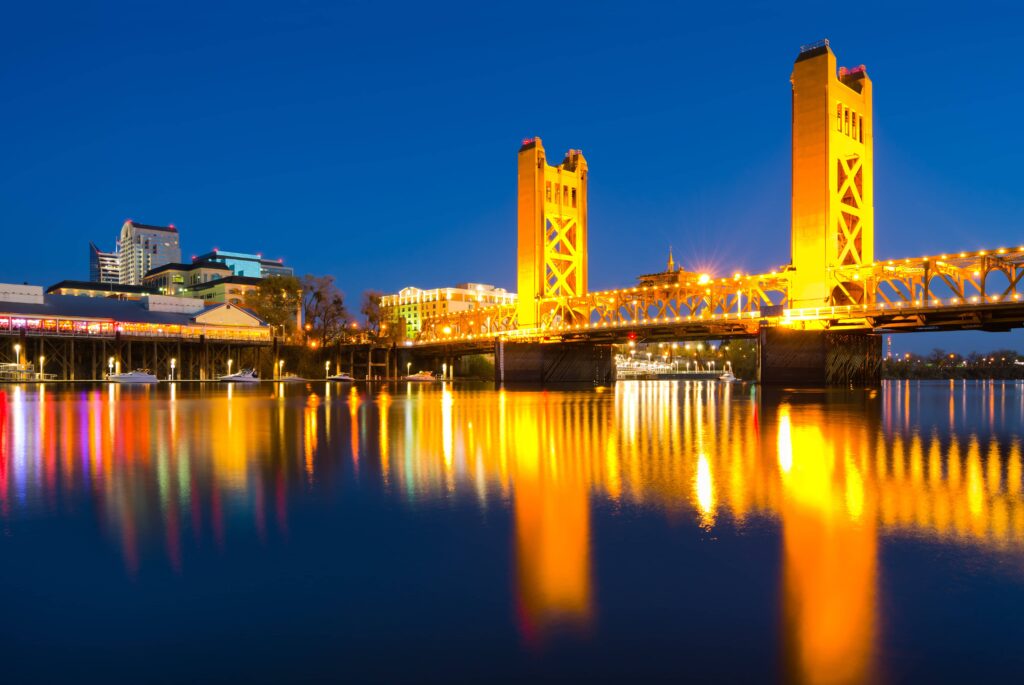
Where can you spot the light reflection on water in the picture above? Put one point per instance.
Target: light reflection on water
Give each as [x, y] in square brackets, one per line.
[171, 468]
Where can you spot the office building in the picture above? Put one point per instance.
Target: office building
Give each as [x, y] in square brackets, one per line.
[171, 279]
[104, 267]
[227, 290]
[247, 264]
[143, 247]
[413, 305]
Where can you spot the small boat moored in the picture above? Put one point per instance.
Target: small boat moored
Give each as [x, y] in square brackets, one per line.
[290, 378]
[241, 376]
[137, 376]
[420, 376]
[341, 378]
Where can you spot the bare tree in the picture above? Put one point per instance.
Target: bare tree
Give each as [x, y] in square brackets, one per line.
[324, 310]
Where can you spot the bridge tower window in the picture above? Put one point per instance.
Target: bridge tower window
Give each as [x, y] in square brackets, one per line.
[574, 198]
[547, 191]
[839, 117]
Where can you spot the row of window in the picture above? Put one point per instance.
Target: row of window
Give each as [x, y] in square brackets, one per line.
[562, 193]
[849, 122]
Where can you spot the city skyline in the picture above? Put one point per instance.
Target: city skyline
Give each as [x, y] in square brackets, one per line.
[635, 103]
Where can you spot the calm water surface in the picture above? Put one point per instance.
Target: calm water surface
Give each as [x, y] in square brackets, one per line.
[655, 531]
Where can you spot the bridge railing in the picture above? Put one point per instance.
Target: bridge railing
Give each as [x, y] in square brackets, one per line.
[964, 279]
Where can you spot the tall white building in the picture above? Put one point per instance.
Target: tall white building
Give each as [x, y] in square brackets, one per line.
[142, 247]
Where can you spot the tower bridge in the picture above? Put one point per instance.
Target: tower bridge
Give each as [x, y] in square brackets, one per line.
[818, 319]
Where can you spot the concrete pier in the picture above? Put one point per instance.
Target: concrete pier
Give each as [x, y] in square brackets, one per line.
[819, 358]
[553, 364]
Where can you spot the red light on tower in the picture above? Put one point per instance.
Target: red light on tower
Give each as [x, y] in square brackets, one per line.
[632, 335]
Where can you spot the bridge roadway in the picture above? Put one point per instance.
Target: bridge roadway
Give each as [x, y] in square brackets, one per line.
[963, 291]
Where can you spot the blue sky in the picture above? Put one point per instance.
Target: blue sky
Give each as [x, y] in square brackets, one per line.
[377, 141]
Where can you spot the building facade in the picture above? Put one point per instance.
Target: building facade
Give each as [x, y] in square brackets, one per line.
[142, 248]
[247, 264]
[227, 290]
[113, 291]
[104, 267]
[413, 305]
[171, 279]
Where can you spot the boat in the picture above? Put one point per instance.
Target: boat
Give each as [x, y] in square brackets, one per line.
[291, 378]
[728, 376]
[341, 377]
[420, 376]
[137, 376]
[241, 376]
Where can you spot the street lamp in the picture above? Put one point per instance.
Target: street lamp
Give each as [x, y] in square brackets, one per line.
[174, 362]
[408, 368]
[327, 368]
[42, 360]
[17, 354]
[110, 366]
[230, 362]
[280, 369]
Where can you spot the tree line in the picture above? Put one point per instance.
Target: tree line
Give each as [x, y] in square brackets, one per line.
[325, 318]
[939, 364]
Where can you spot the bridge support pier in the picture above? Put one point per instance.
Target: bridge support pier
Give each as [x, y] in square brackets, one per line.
[819, 358]
[553, 364]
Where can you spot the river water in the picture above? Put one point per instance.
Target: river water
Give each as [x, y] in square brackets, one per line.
[683, 531]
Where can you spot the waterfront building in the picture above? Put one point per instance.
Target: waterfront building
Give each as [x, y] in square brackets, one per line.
[143, 247]
[25, 310]
[412, 305]
[226, 290]
[104, 267]
[114, 291]
[171, 279]
[247, 264]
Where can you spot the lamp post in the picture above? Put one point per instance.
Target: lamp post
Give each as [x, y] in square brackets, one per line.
[17, 354]
[280, 369]
[110, 366]
[42, 360]
[408, 368]
[230, 362]
[174, 363]
[327, 368]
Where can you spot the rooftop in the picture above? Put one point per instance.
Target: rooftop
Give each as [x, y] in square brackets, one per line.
[177, 266]
[240, 280]
[150, 227]
[102, 287]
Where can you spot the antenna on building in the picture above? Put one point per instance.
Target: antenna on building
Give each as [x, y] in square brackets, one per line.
[671, 261]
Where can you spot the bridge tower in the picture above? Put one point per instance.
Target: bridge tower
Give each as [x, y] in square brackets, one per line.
[552, 229]
[833, 176]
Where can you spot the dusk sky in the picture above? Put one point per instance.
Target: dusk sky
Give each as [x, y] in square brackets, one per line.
[377, 141]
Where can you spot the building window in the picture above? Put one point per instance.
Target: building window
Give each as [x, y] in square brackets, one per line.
[574, 198]
[860, 130]
[839, 117]
[548, 191]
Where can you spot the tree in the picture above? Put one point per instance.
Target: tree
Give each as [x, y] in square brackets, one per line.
[378, 327]
[323, 307]
[277, 301]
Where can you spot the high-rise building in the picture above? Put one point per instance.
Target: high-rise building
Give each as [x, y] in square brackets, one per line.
[246, 264]
[142, 248]
[104, 267]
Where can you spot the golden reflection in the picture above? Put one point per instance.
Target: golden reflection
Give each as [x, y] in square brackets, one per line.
[833, 472]
[829, 555]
